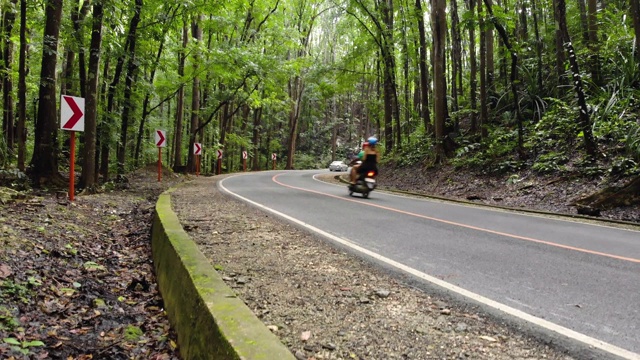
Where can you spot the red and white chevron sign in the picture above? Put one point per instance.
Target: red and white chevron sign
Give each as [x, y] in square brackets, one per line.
[161, 138]
[71, 113]
[197, 149]
[244, 154]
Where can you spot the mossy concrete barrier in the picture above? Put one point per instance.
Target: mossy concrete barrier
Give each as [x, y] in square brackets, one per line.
[211, 322]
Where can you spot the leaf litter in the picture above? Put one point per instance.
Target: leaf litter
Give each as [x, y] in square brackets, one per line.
[76, 278]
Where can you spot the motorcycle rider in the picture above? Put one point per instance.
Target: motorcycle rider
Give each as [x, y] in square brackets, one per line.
[370, 160]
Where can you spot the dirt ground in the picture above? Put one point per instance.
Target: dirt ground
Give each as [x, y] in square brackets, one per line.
[76, 279]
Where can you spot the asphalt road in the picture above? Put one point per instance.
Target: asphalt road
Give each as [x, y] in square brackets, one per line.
[581, 276]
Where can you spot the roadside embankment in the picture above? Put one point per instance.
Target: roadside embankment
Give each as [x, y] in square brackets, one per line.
[210, 320]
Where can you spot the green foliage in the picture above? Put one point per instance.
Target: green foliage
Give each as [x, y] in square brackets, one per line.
[494, 155]
[13, 290]
[632, 141]
[22, 347]
[307, 161]
[550, 162]
[8, 321]
[132, 333]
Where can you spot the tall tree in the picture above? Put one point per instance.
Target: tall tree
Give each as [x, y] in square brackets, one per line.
[482, 71]
[22, 87]
[44, 162]
[424, 71]
[88, 177]
[177, 141]
[439, 30]
[132, 71]
[473, 70]
[196, 31]
[8, 116]
[585, 121]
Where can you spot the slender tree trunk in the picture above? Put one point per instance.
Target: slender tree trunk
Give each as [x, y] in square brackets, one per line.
[44, 162]
[524, 24]
[585, 121]
[484, 114]
[177, 147]
[490, 64]
[473, 87]
[296, 86]
[88, 177]
[560, 58]
[635, 14]
[8, 116]
[514, 76]
[255, 139]
[538, 52]
[132, 69]
[594, 48]
[195, 96]
[147, 95]
[439, 30]
[456, 58]
[22, 87]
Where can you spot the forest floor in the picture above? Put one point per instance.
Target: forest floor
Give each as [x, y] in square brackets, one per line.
[76, 278]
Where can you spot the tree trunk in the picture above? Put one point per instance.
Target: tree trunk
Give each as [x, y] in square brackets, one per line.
[195, 96]
[147, 96]
[44, 162]
[560, 59]
[22, 87]
[594, 48]
[635, 14]
[296, 86]
[177, 143]
[484, 114]
[8, 116]
[439, 30]
[88, 177]
[456, 59]
[538, 53]
[514, 77]
[473, 87]
[132, 69]
[255, 139]
[585, 121]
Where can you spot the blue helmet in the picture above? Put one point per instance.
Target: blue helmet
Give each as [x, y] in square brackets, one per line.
[372, 141]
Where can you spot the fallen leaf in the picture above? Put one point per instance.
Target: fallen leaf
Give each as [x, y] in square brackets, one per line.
[5, 271]
[488, 338]
[305, 335]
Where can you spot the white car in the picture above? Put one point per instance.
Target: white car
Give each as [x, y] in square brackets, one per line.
[338, 166]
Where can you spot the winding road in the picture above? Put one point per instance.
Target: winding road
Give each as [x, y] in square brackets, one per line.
[578, 279]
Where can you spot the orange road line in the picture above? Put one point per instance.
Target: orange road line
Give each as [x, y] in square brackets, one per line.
[567, 247]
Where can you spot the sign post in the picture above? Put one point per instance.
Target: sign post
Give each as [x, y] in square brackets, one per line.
[273, 158]
[219, 170]
[161, 141]
[197, 151]
[244, 160]
[72, 119]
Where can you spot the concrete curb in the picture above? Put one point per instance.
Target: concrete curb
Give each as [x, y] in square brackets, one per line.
[211, 322]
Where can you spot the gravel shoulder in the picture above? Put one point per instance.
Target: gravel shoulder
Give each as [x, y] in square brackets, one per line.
[325, 303]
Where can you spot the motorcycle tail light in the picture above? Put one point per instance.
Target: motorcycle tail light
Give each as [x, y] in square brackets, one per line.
[371, 173]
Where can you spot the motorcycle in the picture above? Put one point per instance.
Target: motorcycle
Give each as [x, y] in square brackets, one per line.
[365, 184]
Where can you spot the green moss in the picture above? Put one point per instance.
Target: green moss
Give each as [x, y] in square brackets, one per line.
[132, 333]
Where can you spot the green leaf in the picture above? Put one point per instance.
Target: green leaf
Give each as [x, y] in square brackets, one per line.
[34, 343]
[12, 341]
